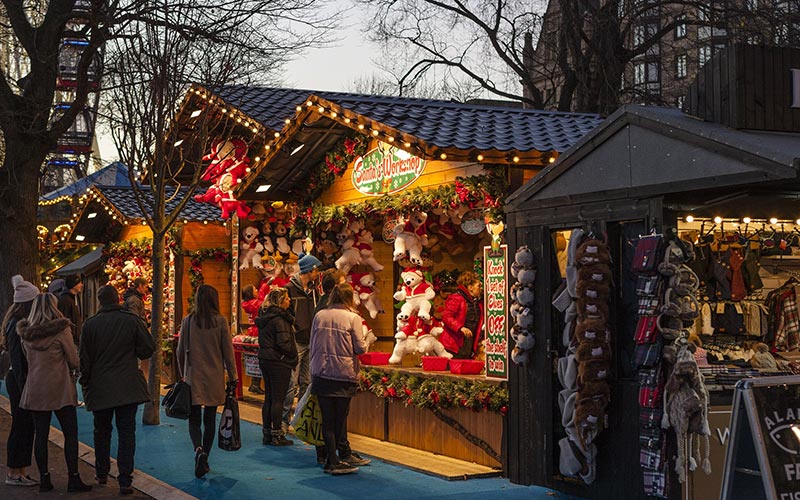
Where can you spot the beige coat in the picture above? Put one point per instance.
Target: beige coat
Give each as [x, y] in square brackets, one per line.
[210, 355]
[51, 354]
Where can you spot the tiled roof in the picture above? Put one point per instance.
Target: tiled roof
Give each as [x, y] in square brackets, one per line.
[114, 174]
[124, 200]
[439, 123]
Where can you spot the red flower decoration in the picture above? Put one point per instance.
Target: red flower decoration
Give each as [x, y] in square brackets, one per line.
[392, 392]
[350, 146]
[385, 379]
[407, 391]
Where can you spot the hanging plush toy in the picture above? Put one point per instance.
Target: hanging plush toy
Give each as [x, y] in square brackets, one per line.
[522, 301]
[250, 249]
[410, 238]
[266, 238]
[363, 242]
[417, 294]
[327, 247]
[281, 241]
[229, 155]
[364, 285]
[351, 256]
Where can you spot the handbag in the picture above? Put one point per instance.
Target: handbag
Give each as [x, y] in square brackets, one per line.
[646, 330]
[647, 255]
[229, 437]
[307, 420]
[178, 401]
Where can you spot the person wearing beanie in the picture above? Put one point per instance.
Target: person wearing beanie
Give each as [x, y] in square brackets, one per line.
[68, 303]
[303, 292]
[112, 342]
[19, 447]
[57, 287]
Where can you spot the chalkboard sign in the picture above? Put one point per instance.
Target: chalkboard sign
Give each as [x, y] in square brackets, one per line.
[763, 459]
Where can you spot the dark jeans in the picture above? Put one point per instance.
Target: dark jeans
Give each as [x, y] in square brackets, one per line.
[203, 437]
[334, 423]
[20, 438]
[126, 433]
[276, 385]
[68, 418]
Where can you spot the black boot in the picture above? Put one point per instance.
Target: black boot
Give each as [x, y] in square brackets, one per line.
[279, 439]
[255, 386]
[266, 436]
[75, 484]
[44, 482]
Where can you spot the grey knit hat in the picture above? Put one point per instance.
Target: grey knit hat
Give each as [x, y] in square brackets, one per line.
[24, 291]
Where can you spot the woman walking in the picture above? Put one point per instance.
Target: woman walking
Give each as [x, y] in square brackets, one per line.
[277, 356]
[337, 337]
[204, 353]
[20, 438]
[50, 388]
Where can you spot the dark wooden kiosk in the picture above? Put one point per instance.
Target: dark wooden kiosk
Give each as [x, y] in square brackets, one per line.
[646, 168]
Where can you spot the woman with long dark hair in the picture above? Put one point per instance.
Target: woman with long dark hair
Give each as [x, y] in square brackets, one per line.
[277, 356]
[204, 354]
[50, 388]
[20, 438]
[337, 337]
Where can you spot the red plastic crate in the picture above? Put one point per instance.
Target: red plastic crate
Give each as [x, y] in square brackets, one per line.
[465, 366]
[374, 358]
[434, 363]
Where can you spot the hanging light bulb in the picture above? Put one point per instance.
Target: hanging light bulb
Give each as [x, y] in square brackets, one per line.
[718, 220]
[746, 220]
[773, 220]
[689, 218]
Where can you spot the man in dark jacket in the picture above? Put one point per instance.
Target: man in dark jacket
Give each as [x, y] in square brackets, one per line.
[68, 303]
[303, 292]
[113, 385]
[133, 298]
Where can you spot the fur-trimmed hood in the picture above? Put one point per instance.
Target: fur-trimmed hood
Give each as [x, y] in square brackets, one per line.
[41, 336]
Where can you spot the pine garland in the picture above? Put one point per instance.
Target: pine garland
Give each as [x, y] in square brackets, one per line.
[196, 259]
[434, 392]
[485, 190]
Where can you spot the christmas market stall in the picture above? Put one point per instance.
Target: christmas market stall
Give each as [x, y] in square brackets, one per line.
[198, 250]
[667, 252]
[404, 197]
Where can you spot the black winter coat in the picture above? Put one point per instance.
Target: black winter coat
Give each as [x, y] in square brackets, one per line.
[276, 336]
[304, 302]
[111, 342]
[19, 364]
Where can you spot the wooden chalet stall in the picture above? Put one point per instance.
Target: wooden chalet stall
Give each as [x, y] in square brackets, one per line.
[199, 244]
[344, 169]
[646, 177]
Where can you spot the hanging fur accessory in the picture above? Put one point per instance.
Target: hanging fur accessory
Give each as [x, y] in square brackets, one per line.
[521, 308]
[686, 401]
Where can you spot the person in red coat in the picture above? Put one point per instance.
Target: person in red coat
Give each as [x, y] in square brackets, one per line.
[463, 317]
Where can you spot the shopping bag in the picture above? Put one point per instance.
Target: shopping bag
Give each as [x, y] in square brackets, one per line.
[307, 420]
[229, 437]
[178, 401]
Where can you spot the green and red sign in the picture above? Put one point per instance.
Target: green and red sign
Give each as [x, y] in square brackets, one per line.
[386, 170]
[495, 304]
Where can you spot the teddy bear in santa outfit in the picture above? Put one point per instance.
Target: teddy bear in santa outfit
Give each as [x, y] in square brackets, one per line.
[364, 286]
[250, 248]
[417, 294]
[418, 335]
[410, 237]
[227, 155]
[363, 242]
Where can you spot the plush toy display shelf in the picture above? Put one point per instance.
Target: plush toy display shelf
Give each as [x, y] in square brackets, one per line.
[465, 366]
[434, 363]
[374, 358]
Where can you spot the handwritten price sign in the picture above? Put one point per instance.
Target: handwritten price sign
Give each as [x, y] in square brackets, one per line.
[495, 292]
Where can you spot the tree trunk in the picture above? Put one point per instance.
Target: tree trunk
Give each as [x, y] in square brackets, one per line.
[19, 190]
[151, 414]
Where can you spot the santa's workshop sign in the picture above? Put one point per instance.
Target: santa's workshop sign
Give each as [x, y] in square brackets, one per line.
[386, 170]
[495, 305]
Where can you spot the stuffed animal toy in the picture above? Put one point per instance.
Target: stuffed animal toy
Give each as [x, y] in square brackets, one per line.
[327, 247]
[525, 319]
[428, 340]
[266, 238]
[417, 294]
[250, 249]
[281, 241]
[592, 331]
[351, 256]
[363, 242]
[519, 356]
[410, 238]
[300, 245]
[593, 370]
[522, 294]
[227, 155]
[364, 285]
[369, 335]
[229, 205]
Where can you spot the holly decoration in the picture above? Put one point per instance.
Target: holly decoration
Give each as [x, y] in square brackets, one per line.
[196, 259]
[333, 167]
[435, 392]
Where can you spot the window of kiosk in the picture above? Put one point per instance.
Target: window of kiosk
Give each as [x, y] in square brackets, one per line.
[748, 273]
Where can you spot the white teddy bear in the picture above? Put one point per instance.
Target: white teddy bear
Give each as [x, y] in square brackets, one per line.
[351, 256]
[417, 294]
[410, 238]
[281, 241]
[418, 336]
[364, 285]
[250, 249]
[428, 340]
[363, 242]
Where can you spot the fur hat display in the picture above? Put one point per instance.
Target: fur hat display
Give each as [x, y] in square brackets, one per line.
[593, 370]
[592, 251]
[592, 309]
[592, 290]
[597, 273]
[592, 330]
